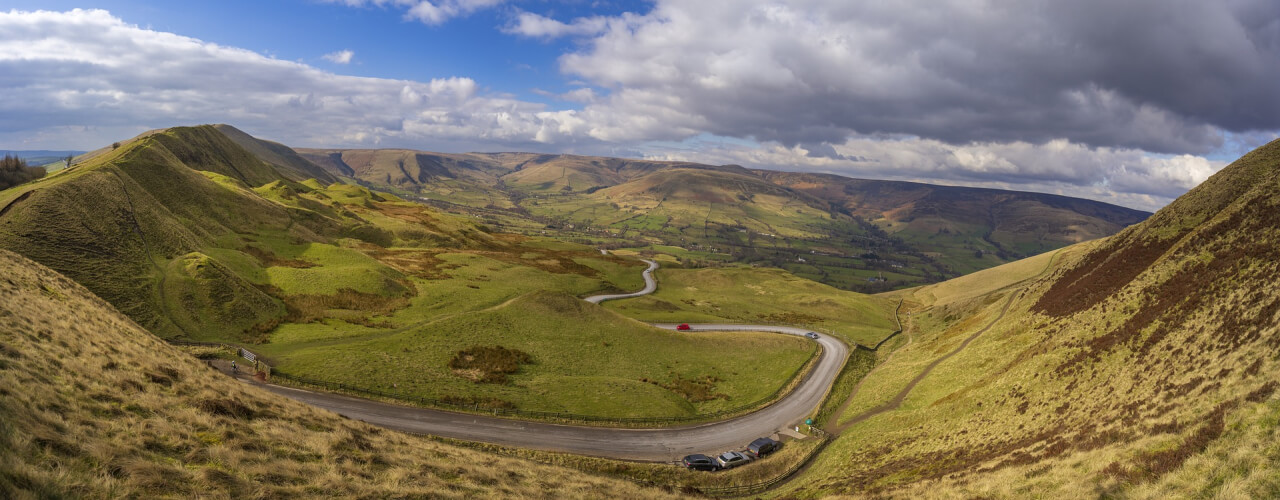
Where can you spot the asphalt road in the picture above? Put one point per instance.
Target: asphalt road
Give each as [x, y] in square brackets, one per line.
[657, 445]
[649, 286]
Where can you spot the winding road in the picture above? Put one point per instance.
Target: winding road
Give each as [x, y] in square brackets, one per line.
[657, 445]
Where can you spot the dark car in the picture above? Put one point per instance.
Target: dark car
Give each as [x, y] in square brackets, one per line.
[700, 462]
[682, 327]
[731, 459]
[762, 447]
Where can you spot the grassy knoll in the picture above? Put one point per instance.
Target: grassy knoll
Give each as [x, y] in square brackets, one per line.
[1139, 366]
[92, 406]
[761, 295]
[585, 360]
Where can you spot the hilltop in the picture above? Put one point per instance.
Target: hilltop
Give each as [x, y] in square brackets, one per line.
[93, 406]
[1141, 365]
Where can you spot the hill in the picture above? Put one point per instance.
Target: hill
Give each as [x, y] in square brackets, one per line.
[965, 224]
[93, 406]
[1142, 365]
[202, 233]
[855, 234]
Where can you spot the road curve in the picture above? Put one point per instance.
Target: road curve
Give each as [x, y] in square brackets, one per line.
[649, 286]
[656, 445]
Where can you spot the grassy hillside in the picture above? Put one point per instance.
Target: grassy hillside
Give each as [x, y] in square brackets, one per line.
[196, 237]
[1142, 366]
[582, 360]
[861, 235]
[969, 228]
[747, 295]
[92, 406]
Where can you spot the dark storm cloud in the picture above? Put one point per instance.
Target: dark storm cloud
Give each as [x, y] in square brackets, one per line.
[1159, 75]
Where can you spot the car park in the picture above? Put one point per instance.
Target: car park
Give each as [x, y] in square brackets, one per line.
[699, 461]
[731, 459]
[762, 447]
[684, 327]
[812, 335]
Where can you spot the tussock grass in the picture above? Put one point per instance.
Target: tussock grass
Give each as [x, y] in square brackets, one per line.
[92, 406]
[1139, 366]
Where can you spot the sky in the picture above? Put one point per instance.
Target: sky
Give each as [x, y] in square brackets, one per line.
[1130, 102]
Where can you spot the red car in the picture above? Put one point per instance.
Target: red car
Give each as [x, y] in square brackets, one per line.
[683, 327]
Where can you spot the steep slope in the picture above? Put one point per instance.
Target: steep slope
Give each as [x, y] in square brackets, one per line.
[285, 160]
[1143, 365]
[93, 406]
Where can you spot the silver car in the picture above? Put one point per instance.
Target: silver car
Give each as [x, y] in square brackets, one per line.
[731, 459]
[812, 335]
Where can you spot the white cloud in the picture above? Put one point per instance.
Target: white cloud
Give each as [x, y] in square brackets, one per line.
[89, 70]
[1126, 177]
[536, 26]
[427, 11]
[340, 57]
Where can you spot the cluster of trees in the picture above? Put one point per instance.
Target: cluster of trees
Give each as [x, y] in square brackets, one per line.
[14, 171]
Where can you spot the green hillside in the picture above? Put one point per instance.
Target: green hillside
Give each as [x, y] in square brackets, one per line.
[92, 406]
[196, 237]
[854, 234]
[1140, 366]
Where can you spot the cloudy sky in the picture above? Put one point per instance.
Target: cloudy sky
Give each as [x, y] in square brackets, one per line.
[1129, 102]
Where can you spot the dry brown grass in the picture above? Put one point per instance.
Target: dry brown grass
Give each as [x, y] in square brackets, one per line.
[93, 406]
[488, 364]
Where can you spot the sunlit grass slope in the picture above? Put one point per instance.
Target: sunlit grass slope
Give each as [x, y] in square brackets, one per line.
[93, 406]
[762, 295]
[1142, 366]
[585, 360]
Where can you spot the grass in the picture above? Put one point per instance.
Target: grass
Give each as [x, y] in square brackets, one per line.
[584, 360]
[1140, 366]
[91, 406]
[755, 295]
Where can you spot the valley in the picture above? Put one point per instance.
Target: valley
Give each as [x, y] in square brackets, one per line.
[1130, 365]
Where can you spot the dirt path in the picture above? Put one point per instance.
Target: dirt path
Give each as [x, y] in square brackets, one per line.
[902, 395]
[832, 427]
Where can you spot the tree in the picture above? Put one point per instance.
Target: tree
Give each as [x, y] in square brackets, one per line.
[14, 171]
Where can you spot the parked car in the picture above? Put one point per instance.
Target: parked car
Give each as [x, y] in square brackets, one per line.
[684, 327]
[812, 335]
[762, 447]
[700, 462]
[731, 459]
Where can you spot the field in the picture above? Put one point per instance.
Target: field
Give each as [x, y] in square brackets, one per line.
[761, 295]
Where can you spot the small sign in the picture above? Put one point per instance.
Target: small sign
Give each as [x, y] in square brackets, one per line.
[808, 421]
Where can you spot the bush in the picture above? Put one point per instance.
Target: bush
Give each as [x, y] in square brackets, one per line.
[488, 363]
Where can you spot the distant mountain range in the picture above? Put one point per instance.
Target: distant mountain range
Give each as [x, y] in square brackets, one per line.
[858, 234]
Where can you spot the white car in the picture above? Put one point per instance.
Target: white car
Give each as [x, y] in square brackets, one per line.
[731, 459]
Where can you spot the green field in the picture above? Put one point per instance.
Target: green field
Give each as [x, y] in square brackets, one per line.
[761, 295]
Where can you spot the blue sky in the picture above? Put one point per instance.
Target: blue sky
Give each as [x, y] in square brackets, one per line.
[1126, 102]
[384, 42]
